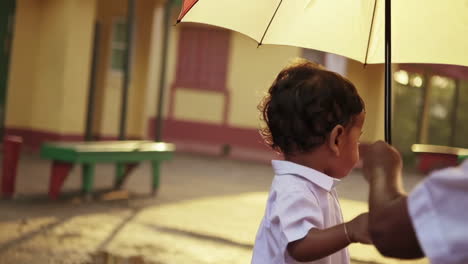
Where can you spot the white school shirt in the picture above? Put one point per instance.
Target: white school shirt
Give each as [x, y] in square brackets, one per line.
[438, 208]
[300, 198]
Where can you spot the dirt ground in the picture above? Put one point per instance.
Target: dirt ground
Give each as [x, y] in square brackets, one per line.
[207, 211]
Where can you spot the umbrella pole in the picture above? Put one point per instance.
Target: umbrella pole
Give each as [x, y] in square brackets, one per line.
[388, 71]
[127, 69]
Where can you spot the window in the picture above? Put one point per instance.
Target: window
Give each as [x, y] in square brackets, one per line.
[408, 101]
[461, 127]
[202, 58]
[429, 108]
[118, 45]
[441, 96]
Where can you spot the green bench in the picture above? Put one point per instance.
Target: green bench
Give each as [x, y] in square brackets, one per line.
[125, 154]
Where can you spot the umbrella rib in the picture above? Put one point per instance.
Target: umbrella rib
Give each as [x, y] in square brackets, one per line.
[269, 24]
[370, 32]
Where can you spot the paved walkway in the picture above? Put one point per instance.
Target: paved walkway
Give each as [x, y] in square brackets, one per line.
[207, 211]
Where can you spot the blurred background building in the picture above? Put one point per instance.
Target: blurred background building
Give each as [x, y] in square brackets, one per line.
[215, 79]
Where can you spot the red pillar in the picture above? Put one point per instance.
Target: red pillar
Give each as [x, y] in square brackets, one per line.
[11, 154]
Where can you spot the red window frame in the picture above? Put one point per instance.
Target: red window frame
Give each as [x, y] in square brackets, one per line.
[202, 60]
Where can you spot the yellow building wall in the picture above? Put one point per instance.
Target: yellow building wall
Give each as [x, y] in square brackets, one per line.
[81, 19]
[172, 50]
[109, 83]
[369, 82]
[56, 36]
[50, 67]
[154, 67]
[199, 106]
[137, 100]
[252, 71]
[106, 10]
[22, 74]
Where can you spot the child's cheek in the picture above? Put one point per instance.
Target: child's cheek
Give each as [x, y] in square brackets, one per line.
[355, 157]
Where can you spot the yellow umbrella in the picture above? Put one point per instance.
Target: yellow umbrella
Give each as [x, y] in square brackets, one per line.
[424, 31]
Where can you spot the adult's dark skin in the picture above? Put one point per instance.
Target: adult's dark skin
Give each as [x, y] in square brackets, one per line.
[390, 225]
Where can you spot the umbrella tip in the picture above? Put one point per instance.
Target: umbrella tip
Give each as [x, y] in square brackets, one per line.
[259, 44]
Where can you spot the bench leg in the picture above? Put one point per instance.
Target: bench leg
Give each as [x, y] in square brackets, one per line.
[58, 175]
[121, 173]
[11, 155]
[156, 168]
[88, 178]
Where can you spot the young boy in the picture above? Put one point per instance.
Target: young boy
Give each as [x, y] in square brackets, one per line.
[314, 117]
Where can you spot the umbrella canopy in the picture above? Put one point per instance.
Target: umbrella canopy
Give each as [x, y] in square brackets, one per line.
[423, 31]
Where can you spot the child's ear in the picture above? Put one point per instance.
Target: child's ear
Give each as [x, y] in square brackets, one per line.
[336, 136]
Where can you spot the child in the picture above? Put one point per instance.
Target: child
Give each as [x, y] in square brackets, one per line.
[314, 117]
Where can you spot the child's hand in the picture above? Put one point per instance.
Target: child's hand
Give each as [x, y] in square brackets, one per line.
[358, 229]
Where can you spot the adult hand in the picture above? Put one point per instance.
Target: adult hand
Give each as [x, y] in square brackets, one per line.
[358, 229]
[382, 160]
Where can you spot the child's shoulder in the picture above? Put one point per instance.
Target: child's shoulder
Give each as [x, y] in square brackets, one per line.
[290, 196]
[292, 185]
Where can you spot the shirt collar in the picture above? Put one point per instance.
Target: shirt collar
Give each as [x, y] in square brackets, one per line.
[282, 167]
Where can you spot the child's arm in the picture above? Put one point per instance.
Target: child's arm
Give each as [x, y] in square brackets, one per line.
[318, 243]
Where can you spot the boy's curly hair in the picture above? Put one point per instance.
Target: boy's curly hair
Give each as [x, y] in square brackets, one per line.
[303, 105]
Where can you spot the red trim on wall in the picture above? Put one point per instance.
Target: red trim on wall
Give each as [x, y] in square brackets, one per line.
[210, 139]
[204, 138]
[33, 139]
[210, 134]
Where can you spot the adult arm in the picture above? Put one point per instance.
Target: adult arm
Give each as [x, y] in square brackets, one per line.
[390, 224]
